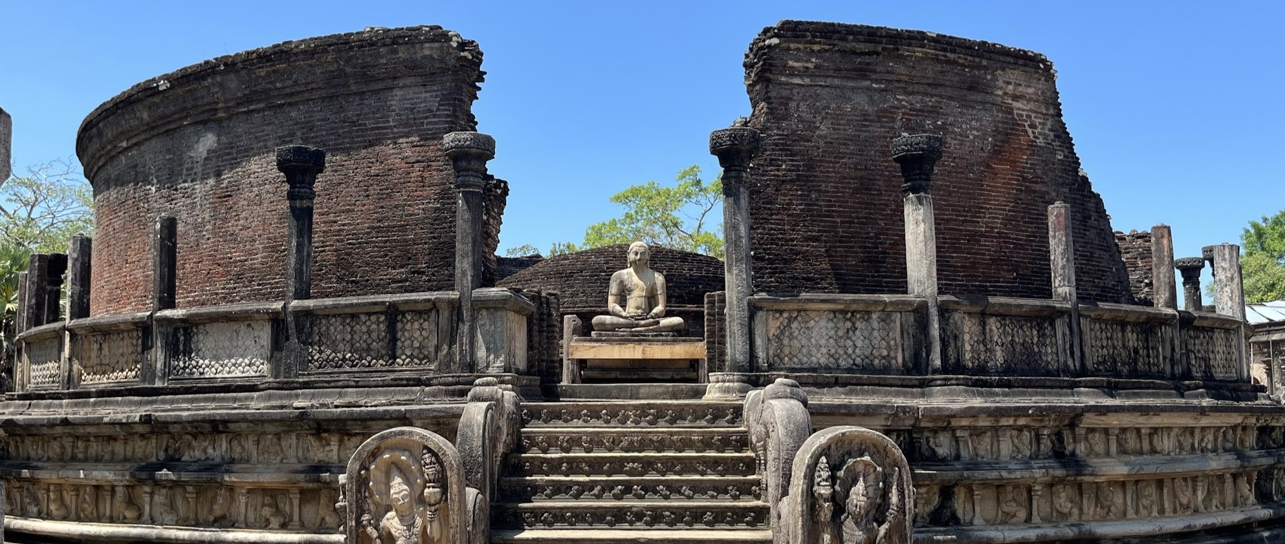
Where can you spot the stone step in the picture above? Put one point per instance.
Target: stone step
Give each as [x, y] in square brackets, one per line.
[658, 414]
[633, 440]
[629, 489]
[637, 515]
[625, 464]
[631, 536]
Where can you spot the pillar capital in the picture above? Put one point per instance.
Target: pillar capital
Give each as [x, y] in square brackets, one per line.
[735, 146]
[1189, 267]
[301, 164]
[917, 154]
[469, 152]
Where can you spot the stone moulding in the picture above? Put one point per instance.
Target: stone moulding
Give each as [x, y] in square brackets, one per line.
[849, 480]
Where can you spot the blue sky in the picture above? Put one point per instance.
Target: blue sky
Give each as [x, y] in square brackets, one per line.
[1175, 107]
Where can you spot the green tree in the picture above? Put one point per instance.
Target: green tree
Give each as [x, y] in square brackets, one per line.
[44, 209]
[1262, 259]
[674, 216]
[524, 250]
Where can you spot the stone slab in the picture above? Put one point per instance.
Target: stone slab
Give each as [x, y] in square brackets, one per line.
[583, 348]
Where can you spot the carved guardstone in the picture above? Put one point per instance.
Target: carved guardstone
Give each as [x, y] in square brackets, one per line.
[405, 486]
[849, 485]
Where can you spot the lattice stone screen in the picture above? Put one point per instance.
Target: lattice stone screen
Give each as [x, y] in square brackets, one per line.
[992, 345]
[221, 350]
[43, 358]
[376, 340]
[111, 357]
[837, 334]
[1211, 353]
[1127, 349]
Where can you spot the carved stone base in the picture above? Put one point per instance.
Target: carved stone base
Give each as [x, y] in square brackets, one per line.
[727, 386]
[633, 334]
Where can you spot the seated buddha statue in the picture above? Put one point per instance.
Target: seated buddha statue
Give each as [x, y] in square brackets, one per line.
[636, 298]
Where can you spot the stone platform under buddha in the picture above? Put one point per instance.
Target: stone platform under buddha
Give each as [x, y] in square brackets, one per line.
[629, 357]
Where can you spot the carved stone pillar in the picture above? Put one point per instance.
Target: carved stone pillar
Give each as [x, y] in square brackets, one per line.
[1229, 292]
[735, 148]
[53, 286]
[1190, 268]
[34, 309]
[78, 275]
[300, 164]
[917, 155]
[1162, 280]
[1062, 264]
[469, 152]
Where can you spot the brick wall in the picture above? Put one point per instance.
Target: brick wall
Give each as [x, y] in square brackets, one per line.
[544, 336]
[825, 198]
[1135, 248]
[508, 266]
[198, 144]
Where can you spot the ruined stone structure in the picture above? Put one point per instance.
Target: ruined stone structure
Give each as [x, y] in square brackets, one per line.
[253, 351]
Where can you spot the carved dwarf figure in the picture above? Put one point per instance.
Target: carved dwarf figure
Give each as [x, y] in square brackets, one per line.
[636, 299]
[1064, 505]
[1010, 510]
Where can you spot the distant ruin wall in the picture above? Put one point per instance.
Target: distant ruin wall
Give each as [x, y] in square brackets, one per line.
[825, 198]
[198, 144]
[1135, 247]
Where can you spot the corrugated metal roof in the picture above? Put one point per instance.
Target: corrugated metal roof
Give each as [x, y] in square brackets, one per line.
[1267, 312]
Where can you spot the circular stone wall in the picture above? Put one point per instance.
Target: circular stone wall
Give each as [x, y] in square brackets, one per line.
[198, 144]
[581, 279]
[826, 196]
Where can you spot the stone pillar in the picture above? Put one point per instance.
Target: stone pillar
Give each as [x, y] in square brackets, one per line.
[53, 286]
[1062, 264]
[917, 154]
[78, 276]
[6, 140]
[164, 263]
[300, 164]
[34, 307]
[735, 148]
[20, 315]
[1229, 295]
[1162, 278]
[1190, 268]
[469, 152]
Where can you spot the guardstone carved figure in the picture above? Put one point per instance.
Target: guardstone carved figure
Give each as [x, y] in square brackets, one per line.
[636, 299]
[849, 486]
[404, 486]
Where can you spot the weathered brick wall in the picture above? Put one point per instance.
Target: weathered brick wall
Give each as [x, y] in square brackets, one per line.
[198, 144]
[1135, 248]
[544, 336]
[716, 331]
[508, 266]
[825, 198]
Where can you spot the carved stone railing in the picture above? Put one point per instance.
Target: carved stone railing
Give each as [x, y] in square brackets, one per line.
[867, 334]
[351, 336]
[1129, 341]
[1004, 336]
[811, 335]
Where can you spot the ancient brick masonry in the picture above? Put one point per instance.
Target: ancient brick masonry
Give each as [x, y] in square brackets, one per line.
[1135, 247]
[825, 200]
[198, 144]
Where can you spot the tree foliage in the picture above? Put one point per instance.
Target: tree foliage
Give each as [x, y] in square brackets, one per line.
[673, 216]
[1262, 261]
[44, 209]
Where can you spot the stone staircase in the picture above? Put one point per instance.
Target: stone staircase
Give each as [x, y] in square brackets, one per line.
[637, 471]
